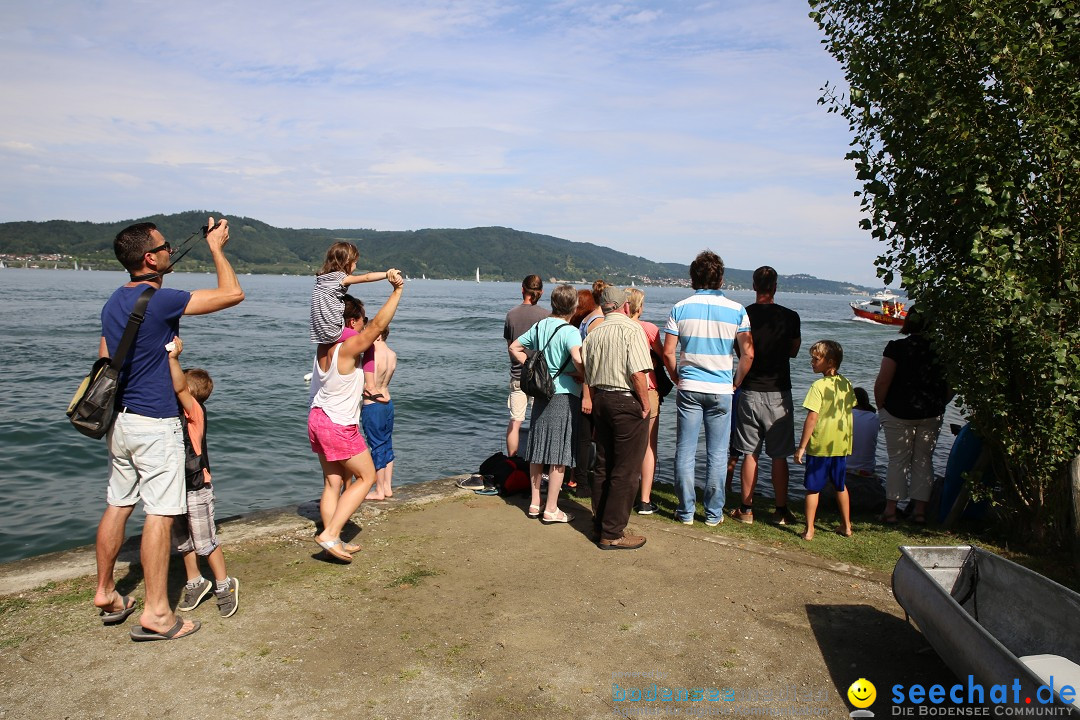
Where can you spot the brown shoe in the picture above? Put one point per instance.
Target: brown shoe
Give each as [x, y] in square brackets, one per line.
[626, 542]
[746, 518]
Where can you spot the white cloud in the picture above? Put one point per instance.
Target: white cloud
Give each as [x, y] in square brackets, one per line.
[648, 126]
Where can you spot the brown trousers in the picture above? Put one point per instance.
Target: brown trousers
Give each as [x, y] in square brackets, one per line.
[622, 435]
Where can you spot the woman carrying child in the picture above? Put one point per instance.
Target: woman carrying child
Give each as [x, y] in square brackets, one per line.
[328, 295]
[332, 421]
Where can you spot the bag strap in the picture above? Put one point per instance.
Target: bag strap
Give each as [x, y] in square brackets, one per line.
[134, 321]
[557, 329]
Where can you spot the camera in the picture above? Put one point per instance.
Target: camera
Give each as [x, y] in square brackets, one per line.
[206, 230]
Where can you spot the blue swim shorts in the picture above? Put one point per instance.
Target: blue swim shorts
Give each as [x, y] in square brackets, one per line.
[823, 470]
[377, 419]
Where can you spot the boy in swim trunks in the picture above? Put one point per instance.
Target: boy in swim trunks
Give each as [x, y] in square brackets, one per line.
[827, 434]
[377, 417]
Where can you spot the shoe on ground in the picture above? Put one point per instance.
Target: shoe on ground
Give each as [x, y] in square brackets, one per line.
[645, 508]
[549, 518]
[785, 517]
[687, 521]
[626, 542]
[746, 518]
[473, 482]
[192, 596]
[228, 600]
[714, 523]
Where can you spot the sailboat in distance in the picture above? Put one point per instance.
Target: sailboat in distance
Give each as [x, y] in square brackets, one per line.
[478, 274]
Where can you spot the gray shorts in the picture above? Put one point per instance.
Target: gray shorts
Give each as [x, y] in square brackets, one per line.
[146, 461]
[196, 530]
[765, 418]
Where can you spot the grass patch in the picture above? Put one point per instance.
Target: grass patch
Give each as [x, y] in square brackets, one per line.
[411, 578]
[11, 604]
[873, 546]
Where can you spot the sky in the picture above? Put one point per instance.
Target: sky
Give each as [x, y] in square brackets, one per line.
[655, 128]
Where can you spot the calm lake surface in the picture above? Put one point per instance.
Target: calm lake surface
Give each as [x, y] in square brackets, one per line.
[449, 390]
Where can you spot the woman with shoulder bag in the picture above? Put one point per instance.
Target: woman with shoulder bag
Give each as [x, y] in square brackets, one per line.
[552, 426]
[636, 300]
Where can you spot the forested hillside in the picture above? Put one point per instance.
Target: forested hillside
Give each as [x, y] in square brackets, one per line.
[500, 253]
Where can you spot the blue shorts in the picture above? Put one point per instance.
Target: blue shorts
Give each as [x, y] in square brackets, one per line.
[823, 470]
[377, 419]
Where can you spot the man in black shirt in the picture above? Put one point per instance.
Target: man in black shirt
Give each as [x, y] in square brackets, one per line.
[765, 415]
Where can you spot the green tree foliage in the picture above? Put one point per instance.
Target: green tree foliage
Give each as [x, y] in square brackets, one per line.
[964, 115]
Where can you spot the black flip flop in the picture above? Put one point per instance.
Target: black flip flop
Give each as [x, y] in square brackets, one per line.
[115, 617]
[141, 634]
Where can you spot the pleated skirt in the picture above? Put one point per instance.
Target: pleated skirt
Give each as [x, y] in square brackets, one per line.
[553, 430]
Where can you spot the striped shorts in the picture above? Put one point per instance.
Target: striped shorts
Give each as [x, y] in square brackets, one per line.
[197, 530]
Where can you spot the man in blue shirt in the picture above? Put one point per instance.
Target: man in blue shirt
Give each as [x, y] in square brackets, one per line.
[146, 446]
[706, 327]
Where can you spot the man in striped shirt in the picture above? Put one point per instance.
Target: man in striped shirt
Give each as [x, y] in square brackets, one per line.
[707, 327]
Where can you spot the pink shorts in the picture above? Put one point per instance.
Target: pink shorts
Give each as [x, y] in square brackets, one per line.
[333, 441]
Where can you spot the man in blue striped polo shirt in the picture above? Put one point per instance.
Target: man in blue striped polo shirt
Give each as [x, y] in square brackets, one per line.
[707, 327]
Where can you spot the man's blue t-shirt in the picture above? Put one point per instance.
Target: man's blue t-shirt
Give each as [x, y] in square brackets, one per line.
[145, 383]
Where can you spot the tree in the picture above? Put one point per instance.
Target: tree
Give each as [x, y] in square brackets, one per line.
[965, 121]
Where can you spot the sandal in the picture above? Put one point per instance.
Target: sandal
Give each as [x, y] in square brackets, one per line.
[556, 517]
[333, 549]
[534, 511]
[888, 519]
[918, 519]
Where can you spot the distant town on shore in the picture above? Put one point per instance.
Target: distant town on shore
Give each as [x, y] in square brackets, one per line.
[494, 253]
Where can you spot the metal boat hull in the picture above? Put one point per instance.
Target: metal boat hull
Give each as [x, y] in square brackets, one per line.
[981, 613]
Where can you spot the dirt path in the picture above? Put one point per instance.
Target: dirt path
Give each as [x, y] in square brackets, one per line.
[464, 608]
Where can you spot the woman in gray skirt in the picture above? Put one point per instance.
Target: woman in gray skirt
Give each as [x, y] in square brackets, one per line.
[553, 425]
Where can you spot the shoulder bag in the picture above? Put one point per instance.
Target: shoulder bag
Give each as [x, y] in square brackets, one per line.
[93, 407]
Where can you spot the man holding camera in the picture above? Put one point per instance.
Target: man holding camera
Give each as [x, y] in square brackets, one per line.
[146, 446]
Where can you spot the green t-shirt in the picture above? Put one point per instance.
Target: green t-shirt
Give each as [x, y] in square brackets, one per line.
[833, 400]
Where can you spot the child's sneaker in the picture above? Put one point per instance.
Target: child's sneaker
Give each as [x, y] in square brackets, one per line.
[228, 600]
[194, 594]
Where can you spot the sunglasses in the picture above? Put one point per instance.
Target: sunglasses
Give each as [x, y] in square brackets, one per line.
[164, 246]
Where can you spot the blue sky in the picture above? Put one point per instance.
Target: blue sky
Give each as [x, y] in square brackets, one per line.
[655, 128]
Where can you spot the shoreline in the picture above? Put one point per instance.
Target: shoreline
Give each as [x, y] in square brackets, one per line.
[20, 576]
[460, 606]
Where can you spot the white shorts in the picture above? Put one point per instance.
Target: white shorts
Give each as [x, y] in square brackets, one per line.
[146, 457]
[517, 402]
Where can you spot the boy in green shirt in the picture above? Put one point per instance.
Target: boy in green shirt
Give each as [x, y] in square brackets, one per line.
[827, 434]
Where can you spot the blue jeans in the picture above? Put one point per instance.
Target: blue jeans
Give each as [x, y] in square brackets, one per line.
[715, 411]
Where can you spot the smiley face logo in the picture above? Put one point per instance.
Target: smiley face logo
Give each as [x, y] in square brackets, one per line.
[862, 693]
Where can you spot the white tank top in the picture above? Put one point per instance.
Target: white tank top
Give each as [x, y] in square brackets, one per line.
[338, 395]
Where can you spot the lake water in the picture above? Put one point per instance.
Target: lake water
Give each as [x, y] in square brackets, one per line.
[449, 390]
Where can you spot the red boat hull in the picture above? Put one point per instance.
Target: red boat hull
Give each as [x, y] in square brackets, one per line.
[878, 317]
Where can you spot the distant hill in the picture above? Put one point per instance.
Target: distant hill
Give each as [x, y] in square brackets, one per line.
[500, 253]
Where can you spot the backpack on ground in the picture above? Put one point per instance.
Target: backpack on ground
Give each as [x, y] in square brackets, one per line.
[509, 474]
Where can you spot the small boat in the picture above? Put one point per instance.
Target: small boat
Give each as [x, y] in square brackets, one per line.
[995, 621]
[477, 274]
[883, 307]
